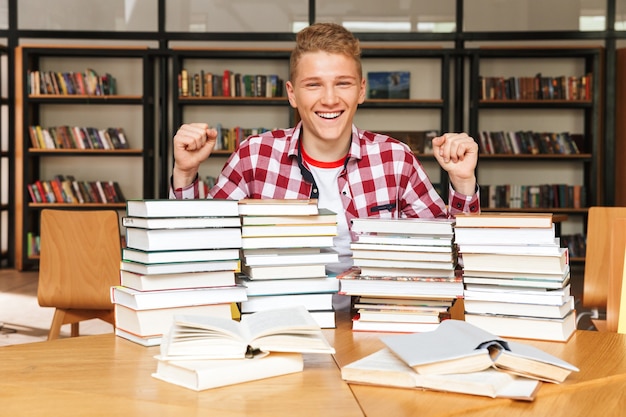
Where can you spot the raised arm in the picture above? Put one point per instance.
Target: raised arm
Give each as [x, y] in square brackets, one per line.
[193, 143]
[457, 153]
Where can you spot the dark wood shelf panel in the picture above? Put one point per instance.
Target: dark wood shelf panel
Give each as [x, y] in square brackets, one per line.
[84, 99]
[234, 101]
[581, 211]
[537, 157]
[78, 205]
[534, 104]
[86, 152]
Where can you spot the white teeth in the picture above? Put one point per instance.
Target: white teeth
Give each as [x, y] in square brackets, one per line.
[329, 115]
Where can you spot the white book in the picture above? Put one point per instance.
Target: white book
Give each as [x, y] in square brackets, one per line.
[328, 256]
[289, 285]
[289, 230]
[312, 301]
[182, 280]
[406, 226]
[399, 239]
[287, 242]
[386, 369]
[519, 309]
[182, 208]
[180, 267]
[359, 245]
[277, 207]
[199, 375]
[183, 239]
[168, 256]
[180, 222]
[146, 300]
[284, 271]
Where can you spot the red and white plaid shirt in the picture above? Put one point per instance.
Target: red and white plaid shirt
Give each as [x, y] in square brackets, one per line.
[381, 177]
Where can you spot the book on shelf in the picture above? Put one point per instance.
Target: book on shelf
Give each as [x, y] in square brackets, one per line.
[170, 256]
[310, 301]
[232, 265]
[388, 84]
[146, 300]
[420, 141]
[537, 264]
[458, 347]
[254, 257]
[180, 222]
[526, 327]
[288, 230]
[352, 282]
[324, 216]
[288, 285]
[287, 329]
[182, 208]
[504, 235]
[519, 309]
[287, 242]
[284, 271]
[404, 226]
[525, 295]
[384, 368]
[199, 375]
[182, 280]
[504, 219]
[277, 207]
[157, 321]
[183, 239]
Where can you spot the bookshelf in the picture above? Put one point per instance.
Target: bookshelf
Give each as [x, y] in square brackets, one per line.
[130, 108]
[427, 108]
[559, 173]
[5, 163]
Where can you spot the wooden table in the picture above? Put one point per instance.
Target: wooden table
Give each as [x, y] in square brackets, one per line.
[106, 375]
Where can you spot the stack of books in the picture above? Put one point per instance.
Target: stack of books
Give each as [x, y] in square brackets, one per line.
[286, 245]
[203, 352]
[181, 257]
[404, 277]
[516, 275]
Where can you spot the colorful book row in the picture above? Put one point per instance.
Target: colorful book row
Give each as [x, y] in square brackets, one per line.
[229, 84]
[71, 83]
[530, 143]
[77, 137]
[536, 88]
[68, 190]
[533, 196]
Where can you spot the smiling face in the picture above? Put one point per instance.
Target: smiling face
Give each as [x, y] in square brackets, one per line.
[326, 89]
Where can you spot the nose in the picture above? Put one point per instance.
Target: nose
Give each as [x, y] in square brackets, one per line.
[329, 95]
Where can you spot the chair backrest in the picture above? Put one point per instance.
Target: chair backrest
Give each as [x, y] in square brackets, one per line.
[79, 259]
[615, 304]
[600, 225]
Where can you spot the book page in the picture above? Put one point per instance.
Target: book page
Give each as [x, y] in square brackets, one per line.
[282, 320]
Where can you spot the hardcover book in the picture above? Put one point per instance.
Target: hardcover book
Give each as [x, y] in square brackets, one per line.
[290, 329]
[460, 347]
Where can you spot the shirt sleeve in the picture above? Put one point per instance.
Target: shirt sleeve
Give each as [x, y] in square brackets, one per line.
[192, 191]
[461, 203]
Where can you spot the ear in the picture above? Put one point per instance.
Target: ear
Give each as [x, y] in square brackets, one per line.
[291, 94]
[362, 90]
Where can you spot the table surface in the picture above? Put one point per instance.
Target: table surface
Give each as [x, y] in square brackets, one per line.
[107, 375]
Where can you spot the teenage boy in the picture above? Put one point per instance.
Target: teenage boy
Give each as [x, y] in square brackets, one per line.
[349, 170]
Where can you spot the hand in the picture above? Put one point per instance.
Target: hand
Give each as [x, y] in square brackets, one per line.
[193, 143]
[457, 153]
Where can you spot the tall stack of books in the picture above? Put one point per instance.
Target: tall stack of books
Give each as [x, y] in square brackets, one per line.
[286, 245]
[516, 275]
[181, 257]
[404, 277]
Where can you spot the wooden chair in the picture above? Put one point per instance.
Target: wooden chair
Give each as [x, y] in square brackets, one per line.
[79, 262]
[616, 298]
[598, 262]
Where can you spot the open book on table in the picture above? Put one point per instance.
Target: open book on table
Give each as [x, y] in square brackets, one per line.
[458, 347]
[290, 329]
[384, 368]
